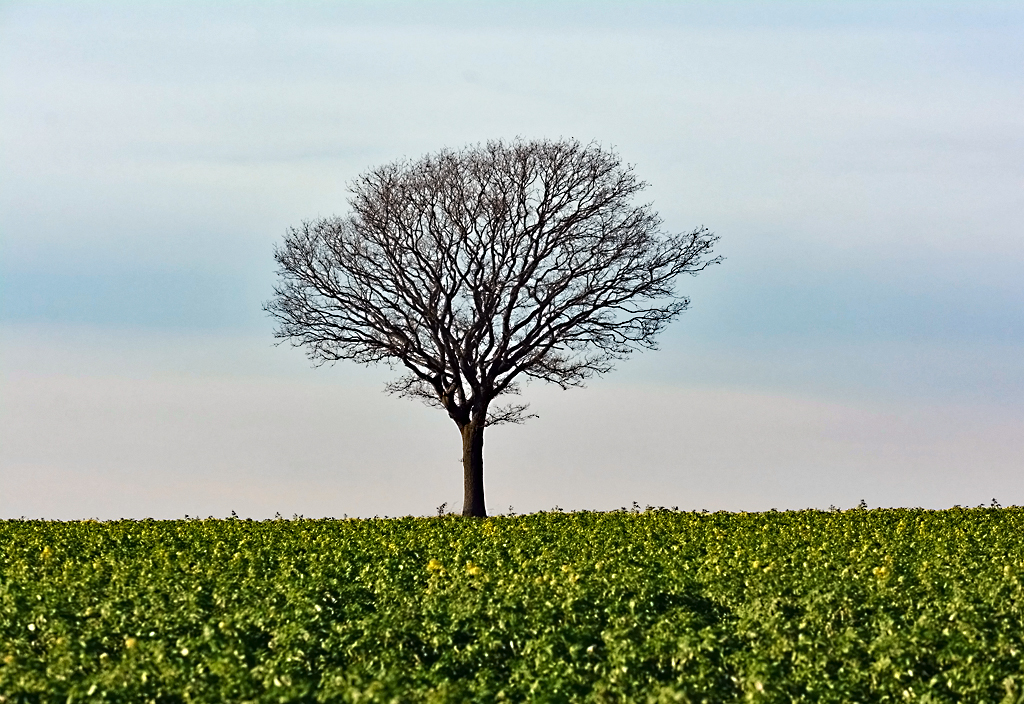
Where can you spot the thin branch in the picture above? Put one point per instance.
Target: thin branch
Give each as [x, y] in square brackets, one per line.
[474, 268]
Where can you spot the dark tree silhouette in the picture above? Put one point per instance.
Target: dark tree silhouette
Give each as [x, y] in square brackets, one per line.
[473, 269]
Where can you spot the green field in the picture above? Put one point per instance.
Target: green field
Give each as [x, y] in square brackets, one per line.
[839, 606]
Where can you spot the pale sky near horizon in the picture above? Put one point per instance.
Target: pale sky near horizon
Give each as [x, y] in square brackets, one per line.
[863, 163]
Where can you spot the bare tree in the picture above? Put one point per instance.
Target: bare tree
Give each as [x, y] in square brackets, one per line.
[473, 269]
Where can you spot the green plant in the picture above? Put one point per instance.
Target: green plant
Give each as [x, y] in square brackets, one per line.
[659, 605]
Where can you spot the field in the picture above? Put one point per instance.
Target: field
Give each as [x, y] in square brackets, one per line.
[633, 606]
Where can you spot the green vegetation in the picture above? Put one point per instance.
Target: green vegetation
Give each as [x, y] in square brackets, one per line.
[807, 606]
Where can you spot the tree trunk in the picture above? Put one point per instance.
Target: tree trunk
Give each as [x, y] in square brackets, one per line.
[473, 468]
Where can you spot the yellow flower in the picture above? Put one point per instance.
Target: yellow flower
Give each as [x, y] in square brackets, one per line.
[472, 569]
[129, 643]
[434, 565]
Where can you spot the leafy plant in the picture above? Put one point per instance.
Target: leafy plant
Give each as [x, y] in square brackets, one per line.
[655, 605]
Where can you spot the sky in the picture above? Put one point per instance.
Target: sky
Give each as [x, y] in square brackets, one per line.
[862, 162]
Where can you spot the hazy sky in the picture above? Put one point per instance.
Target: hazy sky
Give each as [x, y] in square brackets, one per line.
[863, 163]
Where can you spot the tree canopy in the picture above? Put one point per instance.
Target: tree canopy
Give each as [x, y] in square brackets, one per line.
[473, 269]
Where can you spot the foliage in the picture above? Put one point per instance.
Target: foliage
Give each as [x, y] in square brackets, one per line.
[659, 606]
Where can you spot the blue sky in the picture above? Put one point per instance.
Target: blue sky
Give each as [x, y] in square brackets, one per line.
[862, 163]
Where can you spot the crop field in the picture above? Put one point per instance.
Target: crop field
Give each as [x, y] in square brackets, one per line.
[633, 606]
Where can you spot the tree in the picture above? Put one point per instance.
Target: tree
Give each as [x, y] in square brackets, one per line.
[474, 269]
